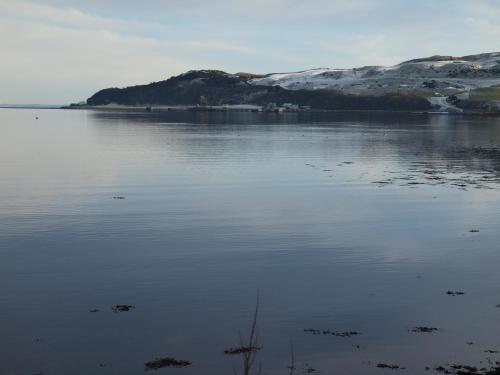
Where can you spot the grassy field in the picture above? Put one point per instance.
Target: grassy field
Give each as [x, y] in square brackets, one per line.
[487, 93]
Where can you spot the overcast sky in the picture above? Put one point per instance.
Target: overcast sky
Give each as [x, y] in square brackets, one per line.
[57, 51]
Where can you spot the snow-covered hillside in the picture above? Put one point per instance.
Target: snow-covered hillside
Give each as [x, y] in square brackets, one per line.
[431, 77]
[469, 84]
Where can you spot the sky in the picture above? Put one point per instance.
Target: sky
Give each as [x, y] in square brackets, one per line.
[61, 51]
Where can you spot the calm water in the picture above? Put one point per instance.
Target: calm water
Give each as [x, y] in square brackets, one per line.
[340, 222]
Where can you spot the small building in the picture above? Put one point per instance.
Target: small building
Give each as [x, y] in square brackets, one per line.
[290, 106]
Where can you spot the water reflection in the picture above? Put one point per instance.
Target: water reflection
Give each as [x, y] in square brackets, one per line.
[434, 150]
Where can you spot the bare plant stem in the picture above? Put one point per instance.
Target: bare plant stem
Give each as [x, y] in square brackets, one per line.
[248, 348]
[292, 360]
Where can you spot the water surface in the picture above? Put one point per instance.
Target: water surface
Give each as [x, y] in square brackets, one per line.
[339, 222]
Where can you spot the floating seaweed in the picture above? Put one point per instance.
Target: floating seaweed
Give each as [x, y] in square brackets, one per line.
[166, 362]
[455, 293]
[466, 370]
[122, 308]
[242, 350]
[390, 367]
[424, 329]
[331, 333]
[307, 369]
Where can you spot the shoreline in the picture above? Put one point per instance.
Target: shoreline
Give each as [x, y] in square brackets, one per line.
[257, 109]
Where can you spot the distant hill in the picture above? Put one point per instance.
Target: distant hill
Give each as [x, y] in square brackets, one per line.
[440, 82]
[220, 88]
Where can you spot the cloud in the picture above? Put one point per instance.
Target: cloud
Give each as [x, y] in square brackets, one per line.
[484, 26]
[30, 11]
[484, 9]
[365, 49]
[222, 46]
[225, 9]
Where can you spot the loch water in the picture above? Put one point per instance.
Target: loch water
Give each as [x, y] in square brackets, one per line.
[340, 222]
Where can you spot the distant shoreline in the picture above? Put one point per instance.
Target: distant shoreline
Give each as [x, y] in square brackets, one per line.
[258, 109]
